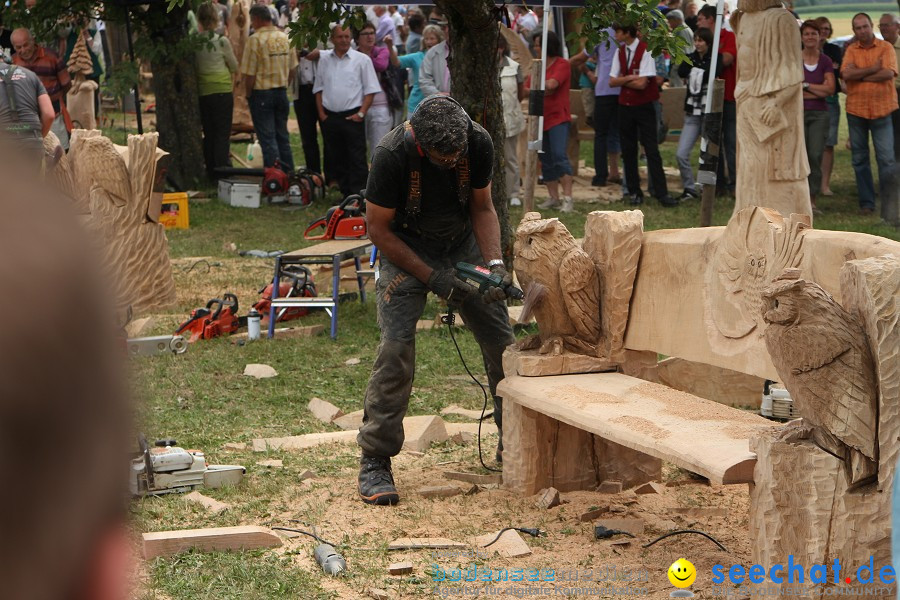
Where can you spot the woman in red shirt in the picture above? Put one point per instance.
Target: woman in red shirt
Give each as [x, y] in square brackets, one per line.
[554, 160]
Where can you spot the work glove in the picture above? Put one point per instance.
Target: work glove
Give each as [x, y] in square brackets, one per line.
[496, 294]
[448, 286]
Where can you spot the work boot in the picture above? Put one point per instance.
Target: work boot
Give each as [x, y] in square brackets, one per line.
[568, 205]
[376, 482]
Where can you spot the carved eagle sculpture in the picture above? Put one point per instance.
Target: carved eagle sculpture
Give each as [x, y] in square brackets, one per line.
[568, 310]
[823, 358]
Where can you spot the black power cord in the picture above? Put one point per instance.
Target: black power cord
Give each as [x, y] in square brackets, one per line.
[532, 531]
[604, 533]
[450, 319]
[683, 531]
[312, 535]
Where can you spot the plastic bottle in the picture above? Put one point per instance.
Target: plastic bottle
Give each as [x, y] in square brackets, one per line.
[254, 154]
[253, 319]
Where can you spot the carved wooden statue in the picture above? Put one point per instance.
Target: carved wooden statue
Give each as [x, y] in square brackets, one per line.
[80, 99]
[823, 358]
[237, 32]
[568, 312]
[773, 166]
[134, 248]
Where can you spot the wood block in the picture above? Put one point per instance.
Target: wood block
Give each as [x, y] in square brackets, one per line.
[417, 543]
[468, 413]
[378, 594]
[684, 264]
[421, 431]
[307, 474]
[612, 239]
[400, 568]
[548, 498]
[350, 362]
[632, 526]
[720, 385]
[139, 327]
[651, 487]
[235, 446]
[610, 487]
[211, 504]
[299, 442]
[439, 491]
[349, 421]
[593, 514]
[424, 325]
[647, 417]
[260, 371]
[510, 544]
[640, 364]
[530, 363]
[323, 410]
[271, 464]
[245, 537]
[474, 477]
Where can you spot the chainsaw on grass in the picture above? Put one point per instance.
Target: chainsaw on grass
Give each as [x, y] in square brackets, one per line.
[294, 281]
[166, 469]
[346, 221]
[219, 317]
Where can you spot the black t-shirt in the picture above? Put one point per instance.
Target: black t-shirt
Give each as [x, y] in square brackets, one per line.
[834, 52]
[443, 218]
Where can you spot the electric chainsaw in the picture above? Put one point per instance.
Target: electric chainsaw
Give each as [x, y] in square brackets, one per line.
[165, 469]
[345, 221]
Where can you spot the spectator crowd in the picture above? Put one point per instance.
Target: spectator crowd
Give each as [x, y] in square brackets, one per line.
[364, 82]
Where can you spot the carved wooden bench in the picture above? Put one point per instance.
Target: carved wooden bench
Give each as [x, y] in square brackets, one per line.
[700, 295]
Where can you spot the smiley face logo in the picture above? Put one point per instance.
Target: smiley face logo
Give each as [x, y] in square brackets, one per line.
[682, 573]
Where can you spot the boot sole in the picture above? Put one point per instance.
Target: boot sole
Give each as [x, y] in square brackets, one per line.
[382, 499]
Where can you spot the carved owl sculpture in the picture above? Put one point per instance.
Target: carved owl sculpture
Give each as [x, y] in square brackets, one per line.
[823, 358]
[568, 310]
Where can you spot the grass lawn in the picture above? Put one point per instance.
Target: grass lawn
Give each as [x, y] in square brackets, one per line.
[202, 399]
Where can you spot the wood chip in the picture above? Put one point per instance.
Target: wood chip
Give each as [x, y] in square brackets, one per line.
[468, 413]
[610, 487]
[593, 514]
[350, 421]
[632, 526]
[323, 410]
[416, 543]
[307, 474]
[510, 544]
[235, 446]
[352, 361]
[271, 464]
[211, 504]
[246, 537]
[651, 487]
[439, 491]
[378, 594]
[548, 498]
[260, 371]
[400, 568]
[422, 431]
[474, 477]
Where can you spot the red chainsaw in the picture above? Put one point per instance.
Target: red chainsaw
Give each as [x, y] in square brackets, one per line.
[294, 281]
[346, 221]
[219, 317]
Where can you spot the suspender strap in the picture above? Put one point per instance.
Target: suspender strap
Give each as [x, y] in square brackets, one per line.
[10, 93]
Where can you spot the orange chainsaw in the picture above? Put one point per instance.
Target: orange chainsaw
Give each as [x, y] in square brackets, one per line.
[219, 317]
[346, 221]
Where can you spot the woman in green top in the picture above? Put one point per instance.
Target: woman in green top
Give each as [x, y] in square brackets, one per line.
[215, 65]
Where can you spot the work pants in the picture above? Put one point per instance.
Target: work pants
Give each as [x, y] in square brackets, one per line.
[345, 151]
[307, 119]
[639, 124]
[215, 117]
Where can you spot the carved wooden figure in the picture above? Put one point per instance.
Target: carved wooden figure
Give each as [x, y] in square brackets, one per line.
[823, 358]
[237, 32]
[80, 99]
[568, 313]
[773, 166]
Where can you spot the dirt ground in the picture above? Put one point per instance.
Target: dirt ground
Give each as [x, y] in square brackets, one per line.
[600, 568]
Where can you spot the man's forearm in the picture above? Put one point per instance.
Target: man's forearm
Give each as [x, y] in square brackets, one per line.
[854, 73]
[880, 75]
[367, 102]
[249, 82]
[400, 254]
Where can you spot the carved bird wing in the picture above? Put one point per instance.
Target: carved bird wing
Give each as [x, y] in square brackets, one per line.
[580, 288]
[106, 169]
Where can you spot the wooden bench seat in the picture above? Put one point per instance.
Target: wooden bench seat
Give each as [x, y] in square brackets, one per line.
[705, 437]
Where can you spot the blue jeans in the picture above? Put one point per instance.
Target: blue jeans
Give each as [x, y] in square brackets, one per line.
[269, 110]
[554, 160]
[690, 131]
[882, 131]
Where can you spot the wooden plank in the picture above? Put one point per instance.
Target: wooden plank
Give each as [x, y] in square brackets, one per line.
[245, 537]
[331, 248]
[417, 543]
[299, 442]
[696, 434]
[474, 477]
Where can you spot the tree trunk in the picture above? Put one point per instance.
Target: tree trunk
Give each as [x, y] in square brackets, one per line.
[475, 84]
[177, 105]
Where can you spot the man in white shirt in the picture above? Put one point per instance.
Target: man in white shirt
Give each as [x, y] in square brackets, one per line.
[344, 87]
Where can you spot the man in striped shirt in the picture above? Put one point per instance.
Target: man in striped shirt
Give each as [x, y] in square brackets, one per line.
[268, 66]
[50, 69]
